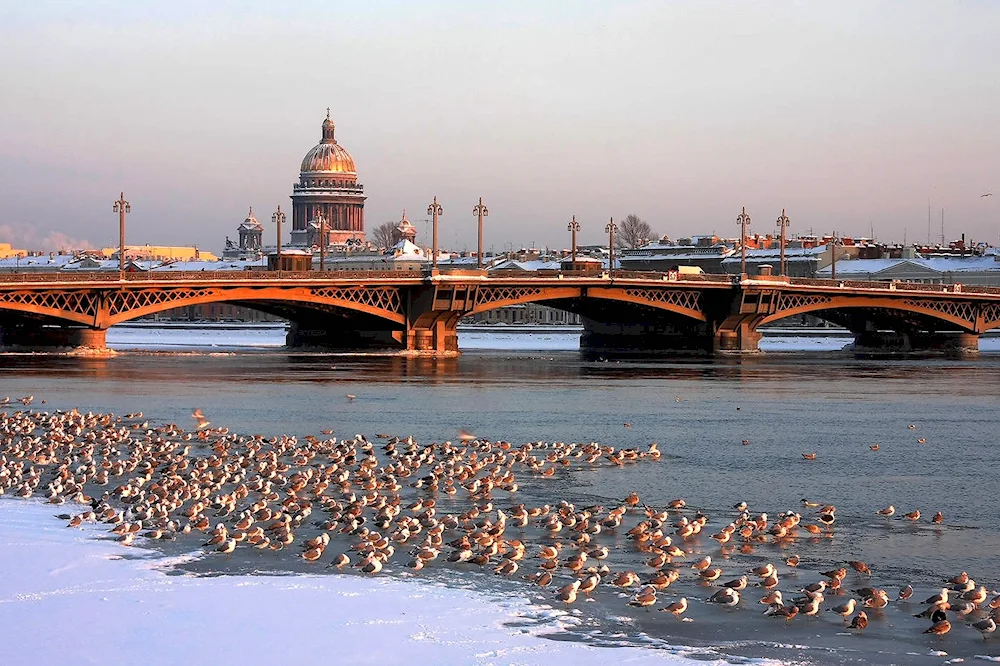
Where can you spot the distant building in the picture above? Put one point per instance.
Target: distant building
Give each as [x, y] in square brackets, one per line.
[160, 253]
[328, 186]
[800, 261]
[251, 234]
[981, 270]
[527, 313]
[404, 231]
[6, 250]
[705, 252]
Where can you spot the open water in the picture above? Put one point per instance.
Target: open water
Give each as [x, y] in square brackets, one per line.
[700, 411]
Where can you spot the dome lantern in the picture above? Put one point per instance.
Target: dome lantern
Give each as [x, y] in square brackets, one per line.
[328, 129]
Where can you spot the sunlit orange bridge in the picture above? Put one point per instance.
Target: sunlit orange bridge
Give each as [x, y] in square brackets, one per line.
[418, 312]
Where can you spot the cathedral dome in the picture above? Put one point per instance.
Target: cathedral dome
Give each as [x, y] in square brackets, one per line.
[328, 156]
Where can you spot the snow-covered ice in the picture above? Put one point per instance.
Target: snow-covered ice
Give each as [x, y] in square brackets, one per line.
[69, 597]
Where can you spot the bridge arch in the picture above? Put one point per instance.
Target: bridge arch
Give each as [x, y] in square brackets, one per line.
[962, 315]
[104, 308]
[686, 303]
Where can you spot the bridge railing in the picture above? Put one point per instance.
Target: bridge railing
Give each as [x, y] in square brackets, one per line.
[103, 276]
[896, 285]
[361, 275]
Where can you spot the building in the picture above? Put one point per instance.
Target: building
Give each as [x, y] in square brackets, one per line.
[983, 270]
[251, 234]
[6, 250]
[799, 261]
[159, 253]
[525, 314]
[404, 231]
[704, 252]
[328, 188]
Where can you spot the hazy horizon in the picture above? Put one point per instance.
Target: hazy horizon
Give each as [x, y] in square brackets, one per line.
[851, 116]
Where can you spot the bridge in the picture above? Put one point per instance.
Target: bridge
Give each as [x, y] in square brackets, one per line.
[419, 311]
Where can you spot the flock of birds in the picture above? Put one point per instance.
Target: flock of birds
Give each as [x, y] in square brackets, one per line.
[375, 504]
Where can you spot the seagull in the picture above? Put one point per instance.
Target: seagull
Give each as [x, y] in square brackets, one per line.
[988, 194]
[351, 397]
[200, 418]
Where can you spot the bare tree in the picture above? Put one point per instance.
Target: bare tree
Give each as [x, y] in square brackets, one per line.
[633, 232]
[383, 235]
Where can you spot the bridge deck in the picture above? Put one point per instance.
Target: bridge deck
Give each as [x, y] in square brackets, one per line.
[409, 278]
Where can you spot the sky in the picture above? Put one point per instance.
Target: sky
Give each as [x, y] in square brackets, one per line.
[851, 115]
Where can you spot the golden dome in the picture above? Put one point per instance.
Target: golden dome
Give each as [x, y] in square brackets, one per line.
[328, 156]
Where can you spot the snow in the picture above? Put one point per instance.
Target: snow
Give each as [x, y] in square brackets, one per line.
[76, 599]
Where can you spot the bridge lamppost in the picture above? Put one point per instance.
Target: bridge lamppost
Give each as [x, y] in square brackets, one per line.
[278, 218]
[481, 211]
[744, 221]
[121, 207]
[833, 256]
[435, 210]
[322, 241]
[610, 228]
[573, 227]
[783, 224]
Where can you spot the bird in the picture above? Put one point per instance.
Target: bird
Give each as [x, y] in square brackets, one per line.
[887, 511]
[873, 447]
[726, 596]
[200, 419]
[703, 563]
[985, 627]
[905, 593]
[860, 567]
[746, 442]
[938, 518]
[778, 610]
[939, 598]
[859, 621]
[809, 456]
[844, 610]
[677, 608]
[567, 594]
[921, 440]
[463, 435]
[941, 625]
[988, 194]
[351, 397]
[645, 598]
[912, 515]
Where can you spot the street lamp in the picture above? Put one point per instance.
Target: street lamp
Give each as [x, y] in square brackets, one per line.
[278, 218]
[121, 207]
[610, 228]
[833, 256]
[481, 211]
[573, 227]
[322, 241]
[743, 220]
[435, 210]
[783, 224]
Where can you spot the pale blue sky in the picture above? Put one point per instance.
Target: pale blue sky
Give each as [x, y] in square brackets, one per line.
[845, 113]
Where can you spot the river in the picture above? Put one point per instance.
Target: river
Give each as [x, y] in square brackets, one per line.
[731, 429]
